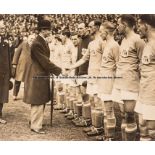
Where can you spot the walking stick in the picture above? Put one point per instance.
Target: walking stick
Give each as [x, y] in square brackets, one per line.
[52, 99]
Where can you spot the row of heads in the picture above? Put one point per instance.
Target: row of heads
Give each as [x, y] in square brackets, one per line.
[125, 20]
[106, 27]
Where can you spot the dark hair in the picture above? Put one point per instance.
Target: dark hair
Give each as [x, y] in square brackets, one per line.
[97, 23]
[86, 24]
[129, 19]
[109, 25]
[58, 38]
[74, 33]
[66, 33]
[148, 19]
[1, 17]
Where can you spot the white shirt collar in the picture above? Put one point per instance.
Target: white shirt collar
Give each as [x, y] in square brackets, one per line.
[42, 36]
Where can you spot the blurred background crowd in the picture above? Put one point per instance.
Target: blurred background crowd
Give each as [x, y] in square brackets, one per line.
[26, 24]
[23, 25]
[19, 26]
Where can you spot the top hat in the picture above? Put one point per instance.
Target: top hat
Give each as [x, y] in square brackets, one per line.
[44, 24]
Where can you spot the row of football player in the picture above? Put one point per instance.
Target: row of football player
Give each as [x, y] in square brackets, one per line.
[132, 62]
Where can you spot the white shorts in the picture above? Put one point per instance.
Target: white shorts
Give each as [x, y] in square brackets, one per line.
[147, 111]
[57, 78]
[91, 89]
[57, 83]
[72, 82]
[65, 81]
[105, 97]
[120, 95]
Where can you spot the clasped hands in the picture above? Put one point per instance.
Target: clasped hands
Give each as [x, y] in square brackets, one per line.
[66, 71]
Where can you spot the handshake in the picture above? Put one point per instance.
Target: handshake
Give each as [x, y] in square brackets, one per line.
[66, 71]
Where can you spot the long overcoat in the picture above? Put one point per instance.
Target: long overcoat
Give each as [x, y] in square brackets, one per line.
[37, 82]
[5, 71]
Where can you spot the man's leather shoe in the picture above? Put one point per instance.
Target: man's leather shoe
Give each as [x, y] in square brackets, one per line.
[38, 131]
[87, 129]
[76, 120]
[64, 111]
[2, 121]
[100, 138]
[70, 117]
[95, 132]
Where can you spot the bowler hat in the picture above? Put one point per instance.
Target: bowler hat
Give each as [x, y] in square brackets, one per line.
[44, 24]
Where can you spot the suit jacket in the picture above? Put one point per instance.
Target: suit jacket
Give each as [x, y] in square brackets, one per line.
[5, 71]
[37, 90]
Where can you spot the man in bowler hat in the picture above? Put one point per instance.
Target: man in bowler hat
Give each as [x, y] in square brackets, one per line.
[37, 82]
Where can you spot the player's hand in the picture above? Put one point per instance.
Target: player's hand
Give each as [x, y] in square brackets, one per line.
[65, 71]
[84, 50]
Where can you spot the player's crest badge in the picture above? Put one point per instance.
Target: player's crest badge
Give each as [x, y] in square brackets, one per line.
[104, 59]
[124, 53]
[146, 59]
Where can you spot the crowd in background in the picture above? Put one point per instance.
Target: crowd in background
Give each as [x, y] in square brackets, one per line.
[20, 26]
[80, 45]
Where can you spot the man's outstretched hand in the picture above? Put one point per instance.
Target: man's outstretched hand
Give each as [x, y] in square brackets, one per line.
[65, 71]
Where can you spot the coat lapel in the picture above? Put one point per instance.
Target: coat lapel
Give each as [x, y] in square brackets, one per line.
[44, 43]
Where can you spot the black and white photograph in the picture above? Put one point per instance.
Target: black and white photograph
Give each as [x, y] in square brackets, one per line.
[77, 77]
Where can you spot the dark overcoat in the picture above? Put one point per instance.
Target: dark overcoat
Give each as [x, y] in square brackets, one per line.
[5, 71]
[37, 90]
